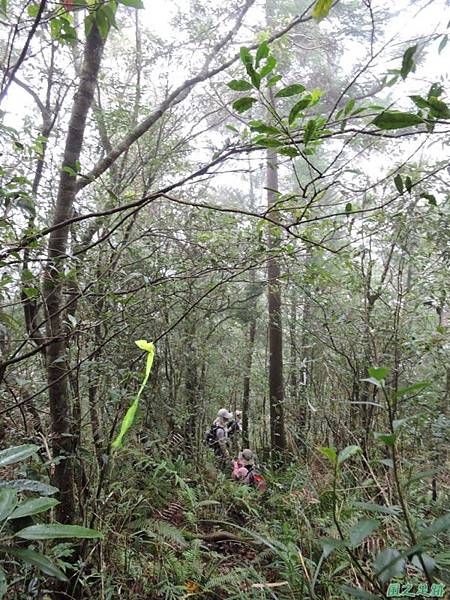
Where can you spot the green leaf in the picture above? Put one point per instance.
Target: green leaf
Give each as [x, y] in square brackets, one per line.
[103, 22]
[3, 583]
[11, 322]
[330, 453]
[321, 9]
[349, 106]
[36, 559]
[246, 56]
[55, 28]
[261, 127]
[408, 63]
[208, 503]
[436, 90]
[310, 129]
[298, 107]
[290, 90]
[329, 544]
[439, 109]
[408, 184]
[268, 142]
[388, 564]
[32, 10]
[443, 43]
[358, 593]
[386, 438]
[243, 104]
[359, 111]
[399, 183]
[412, 388]
[379, 373]
[29, 485]
[289, 151]
[33, 506]
[388, 462]
[348, 207]
[346, 453]
[132, 3]
[55, 531]
[239, 85]
[439, 525]
[361, 530]
[419, 101]
[131, 412]
[430, 197]
[88, 23]
[8, 501]
[425, 474]
[394, 119]
[262, 52]
[247, 60]
[30, 292]
[255, 77]
[316, 94]
[17, 454]
[378, 508]
[273, 80]
[270, 65]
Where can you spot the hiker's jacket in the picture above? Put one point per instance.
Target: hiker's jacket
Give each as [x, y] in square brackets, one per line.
[240, 472]
[249, 475]
[221, 432]
[234, 427]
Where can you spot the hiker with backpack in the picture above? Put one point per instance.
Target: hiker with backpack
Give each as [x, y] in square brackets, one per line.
[217, 436]
[235, 425]
[244, 470]
[235, 430]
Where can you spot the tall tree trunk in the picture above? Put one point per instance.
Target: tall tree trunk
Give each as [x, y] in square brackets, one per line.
[59, 400]
[276, 399]
[247, 378]
[191, 387]
[293, 383]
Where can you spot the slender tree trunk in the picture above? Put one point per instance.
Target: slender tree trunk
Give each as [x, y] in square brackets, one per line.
[191, 387]
[293, 383]
[276, 399]
[59, 401]
[247, 378]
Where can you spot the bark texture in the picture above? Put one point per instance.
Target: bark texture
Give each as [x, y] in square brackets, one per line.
[276, 394]
[247, 380]
[59, 400]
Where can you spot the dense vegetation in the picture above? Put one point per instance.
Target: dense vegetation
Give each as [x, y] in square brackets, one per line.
[256, 193]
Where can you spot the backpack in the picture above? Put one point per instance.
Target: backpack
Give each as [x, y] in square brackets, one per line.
[233, 428]
[211, 435]
[255, 479]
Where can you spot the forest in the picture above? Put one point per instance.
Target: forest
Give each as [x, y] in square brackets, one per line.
[224, 299]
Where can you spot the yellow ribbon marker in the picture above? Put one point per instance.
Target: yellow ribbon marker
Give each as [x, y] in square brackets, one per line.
[131, 412]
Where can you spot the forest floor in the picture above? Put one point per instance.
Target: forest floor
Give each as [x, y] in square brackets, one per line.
[175, 527]
[200, 535]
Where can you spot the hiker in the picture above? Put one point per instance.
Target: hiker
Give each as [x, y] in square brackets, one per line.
[244, 470]
[217, 436]
[235, 430]
[235, 425]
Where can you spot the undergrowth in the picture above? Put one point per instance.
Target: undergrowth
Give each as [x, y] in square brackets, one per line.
[174, 533]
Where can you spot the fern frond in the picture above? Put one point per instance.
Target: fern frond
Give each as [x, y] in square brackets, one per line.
[167, 532]
[233, 579]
